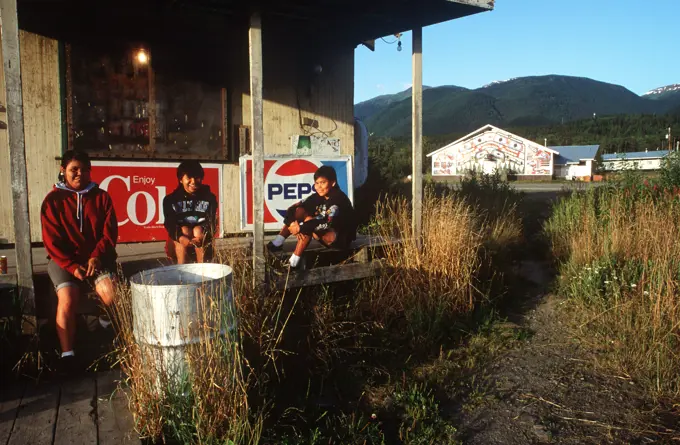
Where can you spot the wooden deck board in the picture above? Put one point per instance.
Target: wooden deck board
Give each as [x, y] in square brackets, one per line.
[330, 274]
[75, 421]
[116, 425]
[36, 416]
[10, 399]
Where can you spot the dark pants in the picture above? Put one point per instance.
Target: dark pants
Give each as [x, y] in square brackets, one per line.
[298, 213]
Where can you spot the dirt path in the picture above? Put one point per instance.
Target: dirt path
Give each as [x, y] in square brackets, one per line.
[546, 390]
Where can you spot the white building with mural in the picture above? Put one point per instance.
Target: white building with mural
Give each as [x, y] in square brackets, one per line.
[490, 150]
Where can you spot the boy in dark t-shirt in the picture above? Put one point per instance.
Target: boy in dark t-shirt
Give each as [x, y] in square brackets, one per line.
[190, 212]
[326, 215]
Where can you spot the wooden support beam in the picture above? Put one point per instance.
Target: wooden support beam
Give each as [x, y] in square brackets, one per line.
[11, 59]
[257, 134]
[69, 96]
[417, 135]
[331, 274]
[151, 112]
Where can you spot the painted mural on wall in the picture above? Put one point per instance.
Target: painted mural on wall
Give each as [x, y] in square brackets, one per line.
[493, 151]
[538, 161]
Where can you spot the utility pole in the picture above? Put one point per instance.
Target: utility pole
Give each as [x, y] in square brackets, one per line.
[670, 141]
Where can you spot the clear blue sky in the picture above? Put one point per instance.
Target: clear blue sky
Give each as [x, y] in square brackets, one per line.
[634, 43]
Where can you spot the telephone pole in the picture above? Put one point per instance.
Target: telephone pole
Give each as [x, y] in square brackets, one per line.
[670, 140]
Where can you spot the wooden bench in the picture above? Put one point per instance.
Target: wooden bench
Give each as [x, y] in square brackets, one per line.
[361, 259]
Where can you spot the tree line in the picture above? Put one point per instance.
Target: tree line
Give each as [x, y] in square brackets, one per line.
[391, 157]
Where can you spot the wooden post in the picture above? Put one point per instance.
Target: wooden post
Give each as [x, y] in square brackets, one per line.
[151, 112]
[223, 122]
[69, 97]
[417, 135]
[17, 153]
[257, 132]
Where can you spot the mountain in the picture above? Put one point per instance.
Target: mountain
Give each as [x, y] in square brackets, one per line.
[664, 93]
[368, 108]
[524, 101]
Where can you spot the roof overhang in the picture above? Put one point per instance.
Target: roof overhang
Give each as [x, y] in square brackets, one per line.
[573, 162]
[347, 21]
[646, 158]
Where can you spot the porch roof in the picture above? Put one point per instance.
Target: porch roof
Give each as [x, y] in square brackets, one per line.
[347, 21]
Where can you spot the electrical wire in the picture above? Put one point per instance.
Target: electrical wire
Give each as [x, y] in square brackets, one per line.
[307, 132]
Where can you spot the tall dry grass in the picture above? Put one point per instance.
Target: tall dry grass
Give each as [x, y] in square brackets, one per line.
[231, 388]
[435, 279]
[620, 263]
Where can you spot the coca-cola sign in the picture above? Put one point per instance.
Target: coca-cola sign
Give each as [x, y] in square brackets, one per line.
[138, 189]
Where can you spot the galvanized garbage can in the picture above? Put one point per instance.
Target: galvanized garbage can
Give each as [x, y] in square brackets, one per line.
[178, 306]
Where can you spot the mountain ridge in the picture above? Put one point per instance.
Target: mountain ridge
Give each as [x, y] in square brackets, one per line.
[525, 101]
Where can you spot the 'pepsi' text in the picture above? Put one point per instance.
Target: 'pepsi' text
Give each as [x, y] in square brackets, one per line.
[289, 191]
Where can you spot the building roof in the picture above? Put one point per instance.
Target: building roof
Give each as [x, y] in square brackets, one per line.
[347, 22]
[573, 154]
[655, 154]
[482, 130]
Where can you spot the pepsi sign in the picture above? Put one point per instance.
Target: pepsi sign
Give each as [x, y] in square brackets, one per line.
[287, 180]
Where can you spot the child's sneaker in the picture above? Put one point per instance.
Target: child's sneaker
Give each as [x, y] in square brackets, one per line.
[68, 367]
[300, 266]
[104, 321]
[273, 248]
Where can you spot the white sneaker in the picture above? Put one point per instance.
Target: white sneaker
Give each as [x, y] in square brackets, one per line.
[104, 321]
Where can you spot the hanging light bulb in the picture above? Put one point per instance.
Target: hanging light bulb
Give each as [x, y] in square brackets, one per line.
[142, 57]
[399, 45]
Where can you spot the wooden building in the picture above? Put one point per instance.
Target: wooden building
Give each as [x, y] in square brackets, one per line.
[640, 160]
[575, 162]
[161, 81]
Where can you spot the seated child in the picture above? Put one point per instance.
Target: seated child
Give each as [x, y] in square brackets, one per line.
[326, 215]
[190, 212]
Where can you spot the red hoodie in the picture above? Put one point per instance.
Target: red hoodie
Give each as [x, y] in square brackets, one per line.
[77, 226]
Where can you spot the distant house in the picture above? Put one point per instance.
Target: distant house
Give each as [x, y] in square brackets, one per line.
[490, 149]
[575, 161]
[641, 160]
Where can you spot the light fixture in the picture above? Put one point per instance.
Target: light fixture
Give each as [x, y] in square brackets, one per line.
[142, 57]
[399, 45]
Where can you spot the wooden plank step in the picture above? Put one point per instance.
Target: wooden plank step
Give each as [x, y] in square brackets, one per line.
[9, 279]
[76, 417]
[10, 399]
[115, 422]
[361, 242]
[331, 274]
[37, 415]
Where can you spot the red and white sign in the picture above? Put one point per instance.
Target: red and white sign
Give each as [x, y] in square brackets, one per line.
[138, 189]
[287, 180]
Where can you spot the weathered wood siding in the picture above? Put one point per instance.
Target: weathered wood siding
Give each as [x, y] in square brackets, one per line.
[6, 223]
[42, 122]
[327, 98]
[231, 202]
[292, 92]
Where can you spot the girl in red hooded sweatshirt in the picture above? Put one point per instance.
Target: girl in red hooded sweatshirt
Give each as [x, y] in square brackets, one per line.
[80, 230]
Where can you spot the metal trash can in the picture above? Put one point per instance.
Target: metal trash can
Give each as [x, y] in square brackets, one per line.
[177, 306]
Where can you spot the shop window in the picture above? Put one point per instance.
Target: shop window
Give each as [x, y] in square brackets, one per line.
[122, 104]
